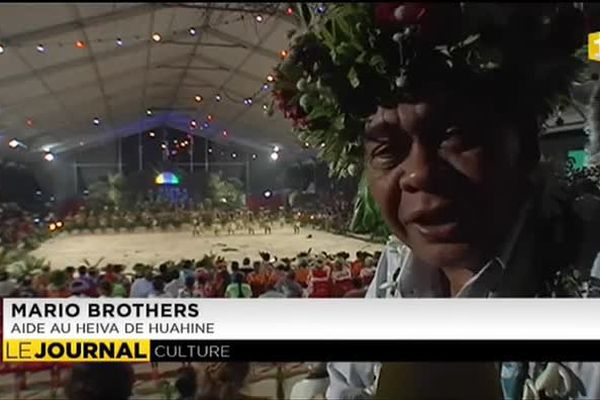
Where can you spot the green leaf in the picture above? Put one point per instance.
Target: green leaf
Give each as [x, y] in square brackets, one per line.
[353, 78]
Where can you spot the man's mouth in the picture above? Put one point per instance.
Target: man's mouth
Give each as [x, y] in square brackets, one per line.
[435, 225]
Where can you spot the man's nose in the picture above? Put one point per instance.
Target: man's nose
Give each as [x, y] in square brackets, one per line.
[418, 168]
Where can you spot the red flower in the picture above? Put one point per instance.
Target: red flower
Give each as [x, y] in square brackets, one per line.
[384, 14]
[435, 21]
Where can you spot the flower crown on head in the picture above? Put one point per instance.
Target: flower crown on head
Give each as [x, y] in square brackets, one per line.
[349, 59]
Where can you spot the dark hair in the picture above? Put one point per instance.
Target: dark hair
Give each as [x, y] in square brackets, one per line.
[158, 284]
[238, 278]
[235, 266]
[186, 383]
[246, 261]
[89, 381]
[105, 286]
[189, 280]
[70, 270]
[82, 270]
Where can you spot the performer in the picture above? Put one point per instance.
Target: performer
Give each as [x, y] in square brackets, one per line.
[451, 152]
[196, 226]
[319, 280]
[341, 279]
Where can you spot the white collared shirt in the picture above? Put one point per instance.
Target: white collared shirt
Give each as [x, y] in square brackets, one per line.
[400, 275]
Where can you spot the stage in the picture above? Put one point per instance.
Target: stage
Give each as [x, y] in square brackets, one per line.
[155, 247]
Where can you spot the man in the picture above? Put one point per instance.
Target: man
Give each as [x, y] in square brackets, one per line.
[450, 152]
[142, 286]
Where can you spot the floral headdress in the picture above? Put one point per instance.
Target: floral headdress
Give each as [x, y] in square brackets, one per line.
[348, 59]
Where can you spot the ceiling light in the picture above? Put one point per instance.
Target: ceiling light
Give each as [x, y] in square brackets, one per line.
[265, 86]
[205, 125]
[248, 101]
[40, 48]
[267, 194]
[49, 156]
[198, 98]
[192, 31]
[210, 150]
[156, 37]
[96, 121]
[119, 42]
[80, 44]
[1, 48]
[259, 18]
[29, 122]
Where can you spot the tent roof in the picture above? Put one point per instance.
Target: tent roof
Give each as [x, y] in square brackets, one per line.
[49, 99]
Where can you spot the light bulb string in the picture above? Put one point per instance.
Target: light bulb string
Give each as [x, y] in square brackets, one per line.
[6, 42]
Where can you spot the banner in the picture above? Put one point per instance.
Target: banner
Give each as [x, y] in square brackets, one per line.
[133, 330]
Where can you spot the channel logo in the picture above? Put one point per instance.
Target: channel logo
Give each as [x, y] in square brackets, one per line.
[594, 46]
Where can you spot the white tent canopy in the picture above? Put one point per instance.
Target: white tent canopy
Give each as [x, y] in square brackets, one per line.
[65, 64]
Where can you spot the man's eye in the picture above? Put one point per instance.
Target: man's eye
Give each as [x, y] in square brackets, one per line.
[384, 156]
[457, 139]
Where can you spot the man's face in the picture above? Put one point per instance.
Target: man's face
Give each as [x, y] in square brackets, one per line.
[446, 178]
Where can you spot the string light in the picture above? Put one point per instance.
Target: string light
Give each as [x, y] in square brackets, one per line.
[270, 78]
[156, 37]
[259, 18]
[210, 150]
[48, 156]
[265, 87]
[209, 117]
[119, 42]
[321, 9]
[1, 49]
[254, 156]
[192, 31]
[14, 143]
[225, 133]
[248, 101]
[149, 112]
[163, 146]
[289, 11]
[306, 145]
[40, 48]
[205, 125]
[96, 121]
[198, 98]
[194, 123]
[80, 44]
[29, 122]
[276, 149]
[218, 97]
[151, 134]
[265, 107]
[283, 53]
[233, 155]
[274, 156]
